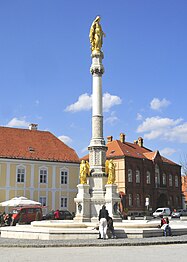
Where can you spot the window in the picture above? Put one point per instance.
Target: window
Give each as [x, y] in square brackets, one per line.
[137, 176]
[64, 202]
[157, 176]
[177, 201]
[164, 179]
[138, 200]
[64, 177]
[148, 177]
[43, 175]
[176, 181]
[20, 174]
[42, 200]
[130, 175]
[130, 200]
[170, 180]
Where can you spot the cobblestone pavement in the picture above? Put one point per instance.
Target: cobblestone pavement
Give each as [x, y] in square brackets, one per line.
[25, 243]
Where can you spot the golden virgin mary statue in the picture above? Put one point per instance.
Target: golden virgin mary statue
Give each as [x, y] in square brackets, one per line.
[96, 36]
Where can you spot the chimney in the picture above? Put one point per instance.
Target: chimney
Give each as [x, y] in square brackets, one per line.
[135, 142]
[33, 126]
[140, 141]
[109, 139]
[122, 137]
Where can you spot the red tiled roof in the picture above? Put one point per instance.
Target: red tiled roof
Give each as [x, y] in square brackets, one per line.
[118, 149]
[34, 145]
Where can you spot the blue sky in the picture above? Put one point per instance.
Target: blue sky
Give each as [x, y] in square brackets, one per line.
[45, 61]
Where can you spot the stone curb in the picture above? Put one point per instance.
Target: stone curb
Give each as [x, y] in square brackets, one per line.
[91, 243]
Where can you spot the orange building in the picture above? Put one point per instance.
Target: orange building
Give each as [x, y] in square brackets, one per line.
[146, 180]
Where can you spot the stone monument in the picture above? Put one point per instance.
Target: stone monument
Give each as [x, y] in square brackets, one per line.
[96, 183]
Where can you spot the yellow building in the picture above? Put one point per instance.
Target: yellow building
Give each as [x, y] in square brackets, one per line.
[39, 166]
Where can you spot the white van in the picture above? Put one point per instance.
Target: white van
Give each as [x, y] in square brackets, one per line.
[162, 211]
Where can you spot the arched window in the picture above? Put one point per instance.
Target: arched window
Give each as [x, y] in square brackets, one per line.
[164, 179]
[130, 200]
[137, 200]
[43, 172]
[176, 181]
[130, 175]
[170, 180]
[137, 176]
[64, 176]
[157, 176]
[20, 174]
[148, 177]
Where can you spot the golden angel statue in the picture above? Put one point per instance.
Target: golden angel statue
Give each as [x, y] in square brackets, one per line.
[110, 171]
[106, 167]
[96, 35]
[84, 171]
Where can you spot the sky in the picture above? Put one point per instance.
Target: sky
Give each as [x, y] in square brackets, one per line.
[45, 78]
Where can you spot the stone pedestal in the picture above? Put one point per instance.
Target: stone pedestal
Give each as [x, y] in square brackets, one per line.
[112, 201]
[97, 194]
[82, 204]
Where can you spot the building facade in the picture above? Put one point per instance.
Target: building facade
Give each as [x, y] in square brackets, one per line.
[146, 180]
[39, 166]
[184, 191]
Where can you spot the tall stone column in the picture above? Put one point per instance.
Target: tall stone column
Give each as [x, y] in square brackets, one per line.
[97, 148]
[95, 193]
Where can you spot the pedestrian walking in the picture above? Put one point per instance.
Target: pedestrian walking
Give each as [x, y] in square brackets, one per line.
[103, 219]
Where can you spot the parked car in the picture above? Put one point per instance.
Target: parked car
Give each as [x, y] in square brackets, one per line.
[178, 213]
[63, 215]
[162, 211]
[26, 214]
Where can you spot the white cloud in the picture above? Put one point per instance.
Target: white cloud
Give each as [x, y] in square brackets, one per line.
[109, 101]
[112, 119]
[139, 116]
[84, 102]
[157, 104]
[66, 139]
[15, 122]
[157, 123]
[164, 128]
[167, 151]
[178, 133]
